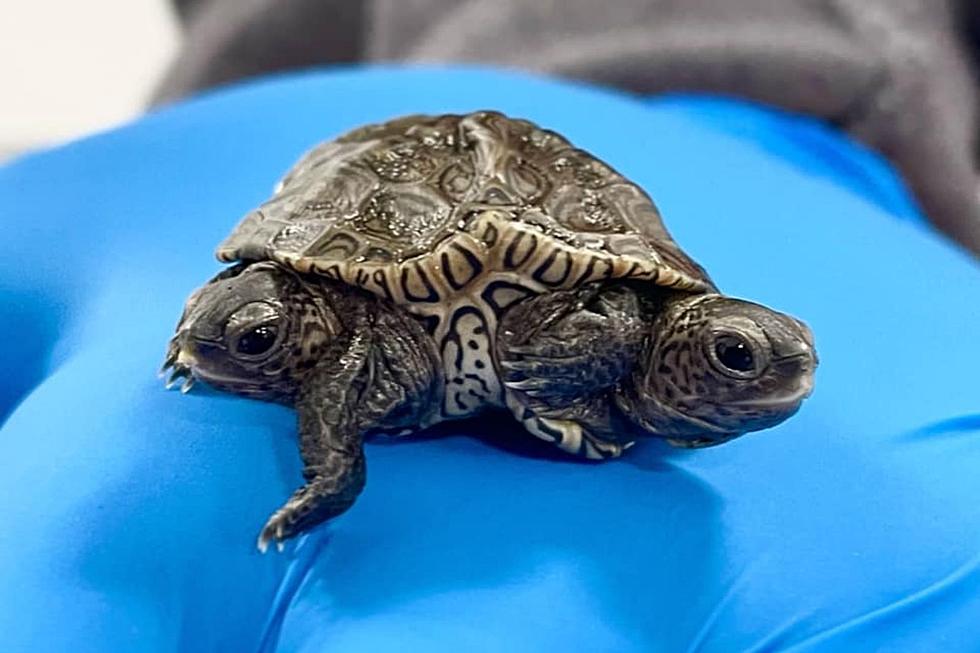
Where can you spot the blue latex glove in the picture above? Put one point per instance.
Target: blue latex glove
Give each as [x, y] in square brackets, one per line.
[129, 514]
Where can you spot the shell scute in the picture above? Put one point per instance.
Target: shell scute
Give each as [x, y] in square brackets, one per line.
[420, 208]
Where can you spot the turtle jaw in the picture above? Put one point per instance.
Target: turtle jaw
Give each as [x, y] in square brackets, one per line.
[790, 403]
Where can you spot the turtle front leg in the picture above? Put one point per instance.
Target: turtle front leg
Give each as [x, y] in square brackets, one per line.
[385, 375]
[561, 354]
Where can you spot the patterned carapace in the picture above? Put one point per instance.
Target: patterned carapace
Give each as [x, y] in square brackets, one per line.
[456, 218]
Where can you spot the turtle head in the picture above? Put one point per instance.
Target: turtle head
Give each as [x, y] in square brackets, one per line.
[717, 368]
[252, 330]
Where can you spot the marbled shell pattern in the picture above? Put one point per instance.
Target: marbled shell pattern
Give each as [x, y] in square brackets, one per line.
[456, 217]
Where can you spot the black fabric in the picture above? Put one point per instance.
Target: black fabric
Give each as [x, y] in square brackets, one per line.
[899, 75]
[227, 40]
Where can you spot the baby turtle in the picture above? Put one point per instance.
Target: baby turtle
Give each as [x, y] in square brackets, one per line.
[428, 268]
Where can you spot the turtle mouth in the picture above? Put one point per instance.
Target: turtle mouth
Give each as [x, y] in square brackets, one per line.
[179, 364]
[786, 401]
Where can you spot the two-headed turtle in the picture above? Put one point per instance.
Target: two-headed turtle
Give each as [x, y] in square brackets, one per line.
[428, 268]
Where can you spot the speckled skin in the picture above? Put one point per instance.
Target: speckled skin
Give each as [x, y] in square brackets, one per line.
[433, 267]
[350, 362]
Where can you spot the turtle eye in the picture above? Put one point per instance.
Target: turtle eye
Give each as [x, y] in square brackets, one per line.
[734, 353]
[257, 341]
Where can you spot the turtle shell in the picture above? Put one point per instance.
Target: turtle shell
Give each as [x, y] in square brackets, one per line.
[424, 209]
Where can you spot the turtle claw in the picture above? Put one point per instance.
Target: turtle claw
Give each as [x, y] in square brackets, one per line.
[177, 373]
[274, 531]
[177, 368]
[175, 376]
[167, 364]
[262, 544]
[173, 351]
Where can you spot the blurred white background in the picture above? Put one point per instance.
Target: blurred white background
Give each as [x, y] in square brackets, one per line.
[68, 67]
